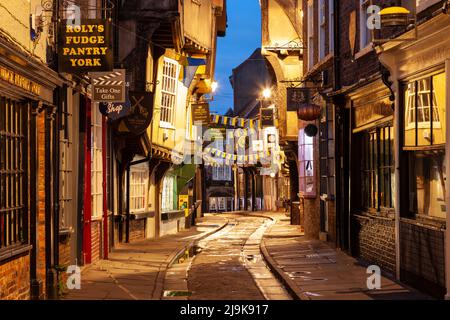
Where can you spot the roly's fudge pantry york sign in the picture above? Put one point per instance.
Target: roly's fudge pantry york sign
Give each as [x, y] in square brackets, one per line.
[86, 47]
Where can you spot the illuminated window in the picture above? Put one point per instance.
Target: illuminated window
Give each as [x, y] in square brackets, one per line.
[306, 165]
[424, 108]
[96, 162]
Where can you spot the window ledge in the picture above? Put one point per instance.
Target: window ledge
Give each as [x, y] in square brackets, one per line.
[432, 223]
[15, 251]
[166, 125]
[361, 53]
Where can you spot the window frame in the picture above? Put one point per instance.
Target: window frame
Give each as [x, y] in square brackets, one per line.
[13, 174]
[364, 33]
[310, 32]
[433, 112]
[169, 89]
[374, 167]
[96, 161]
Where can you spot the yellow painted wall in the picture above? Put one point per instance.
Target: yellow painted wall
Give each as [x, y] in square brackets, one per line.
[15, 17]
[176, 133]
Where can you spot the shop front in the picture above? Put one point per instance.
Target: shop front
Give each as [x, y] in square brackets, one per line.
[29, 94]
[420, 72]
[372, 180]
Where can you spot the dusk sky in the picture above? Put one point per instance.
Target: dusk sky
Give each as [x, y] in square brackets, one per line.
[242, 38]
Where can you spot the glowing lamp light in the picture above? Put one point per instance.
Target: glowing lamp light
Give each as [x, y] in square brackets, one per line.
[214, 86]
[272, 174]
[394, 16]
[267, 93]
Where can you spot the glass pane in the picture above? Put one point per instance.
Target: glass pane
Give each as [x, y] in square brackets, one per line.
[410, 115]
[439, 96]
[423, 112]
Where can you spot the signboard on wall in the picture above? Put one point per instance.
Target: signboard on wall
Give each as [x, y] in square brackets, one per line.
[86, 47]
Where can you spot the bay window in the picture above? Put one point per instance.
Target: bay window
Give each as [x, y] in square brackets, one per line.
[424, 102]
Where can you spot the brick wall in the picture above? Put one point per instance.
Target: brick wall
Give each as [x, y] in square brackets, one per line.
[96, 240]
[422, 258]
[15, 279]
[374, 241]
[137, 230]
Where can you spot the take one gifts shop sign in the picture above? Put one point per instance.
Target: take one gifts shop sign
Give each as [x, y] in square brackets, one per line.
[85, 47]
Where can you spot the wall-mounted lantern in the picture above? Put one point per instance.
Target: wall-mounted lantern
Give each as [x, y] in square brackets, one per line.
[396, 17]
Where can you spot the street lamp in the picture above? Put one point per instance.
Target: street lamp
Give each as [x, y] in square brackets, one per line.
[214, 86]
[267, 93]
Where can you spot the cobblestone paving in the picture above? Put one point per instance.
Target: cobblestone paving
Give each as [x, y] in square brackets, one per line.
[230, 266]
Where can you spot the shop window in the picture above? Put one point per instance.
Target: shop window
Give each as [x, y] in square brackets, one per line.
[169, 91]
[424, 108]
[327, 167]
[13, 173]
[138, 189]
[65, 166]
[167, 203]
[96, 162]
[377, 168]
[427, 183]
[306, 165]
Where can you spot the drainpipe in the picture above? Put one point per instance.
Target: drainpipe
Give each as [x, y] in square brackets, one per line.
[447, 187]
[105, 198]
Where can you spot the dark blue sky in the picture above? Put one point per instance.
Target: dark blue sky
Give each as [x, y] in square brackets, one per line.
[242, 38]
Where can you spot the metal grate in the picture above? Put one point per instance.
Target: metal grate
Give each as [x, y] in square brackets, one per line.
[13, 164]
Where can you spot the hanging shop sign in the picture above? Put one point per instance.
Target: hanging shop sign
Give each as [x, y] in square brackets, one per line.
[296, 97]
[86, 47]
[200, 113]
[141, 112]
[109, 86]
[267, 118]
[19, 81]
[115, 110]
